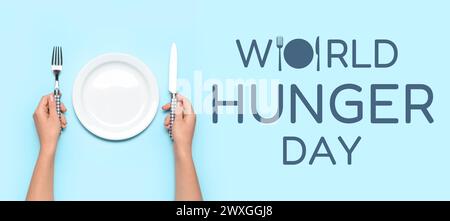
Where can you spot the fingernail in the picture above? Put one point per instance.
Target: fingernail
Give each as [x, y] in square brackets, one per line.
[52, 98]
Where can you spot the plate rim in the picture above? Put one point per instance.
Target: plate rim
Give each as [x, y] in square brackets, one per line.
[84, 73]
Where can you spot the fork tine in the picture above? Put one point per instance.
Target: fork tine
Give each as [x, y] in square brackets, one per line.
[60, 48]
[59, 55]
[53, 56]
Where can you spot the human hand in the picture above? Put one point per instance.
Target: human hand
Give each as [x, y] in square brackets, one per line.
[187, 186]
[48, 124]
[183, 126]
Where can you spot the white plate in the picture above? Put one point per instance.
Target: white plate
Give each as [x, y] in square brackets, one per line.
[115, 96]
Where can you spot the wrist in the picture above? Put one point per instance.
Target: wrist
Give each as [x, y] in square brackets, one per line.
[182, 152]
[183, 160]
[47, 151]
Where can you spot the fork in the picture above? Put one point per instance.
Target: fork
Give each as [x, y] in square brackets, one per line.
[56, 65]
[279, 46]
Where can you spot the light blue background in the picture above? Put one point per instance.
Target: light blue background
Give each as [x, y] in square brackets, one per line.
[234, 161]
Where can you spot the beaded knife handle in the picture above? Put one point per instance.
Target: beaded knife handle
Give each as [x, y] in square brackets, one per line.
[173, 106]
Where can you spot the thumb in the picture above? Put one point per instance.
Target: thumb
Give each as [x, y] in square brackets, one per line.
[52, 106]
[179, 111]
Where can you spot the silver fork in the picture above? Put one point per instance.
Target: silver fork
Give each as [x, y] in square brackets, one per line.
[57, 62]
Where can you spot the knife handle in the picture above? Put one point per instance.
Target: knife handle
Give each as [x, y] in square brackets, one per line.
[173, 106]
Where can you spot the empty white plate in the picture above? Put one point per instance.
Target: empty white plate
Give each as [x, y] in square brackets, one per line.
[115, 96]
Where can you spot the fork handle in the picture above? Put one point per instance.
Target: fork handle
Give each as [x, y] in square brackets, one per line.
[173, 106]
[279, 59]
[57, 94]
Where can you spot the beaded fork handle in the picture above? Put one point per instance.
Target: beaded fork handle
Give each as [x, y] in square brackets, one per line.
[57, 94]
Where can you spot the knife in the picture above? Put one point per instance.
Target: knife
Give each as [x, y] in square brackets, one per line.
[318, 52]
[173, 63]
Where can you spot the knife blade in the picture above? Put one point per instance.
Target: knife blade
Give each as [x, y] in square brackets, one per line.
[173, 69]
